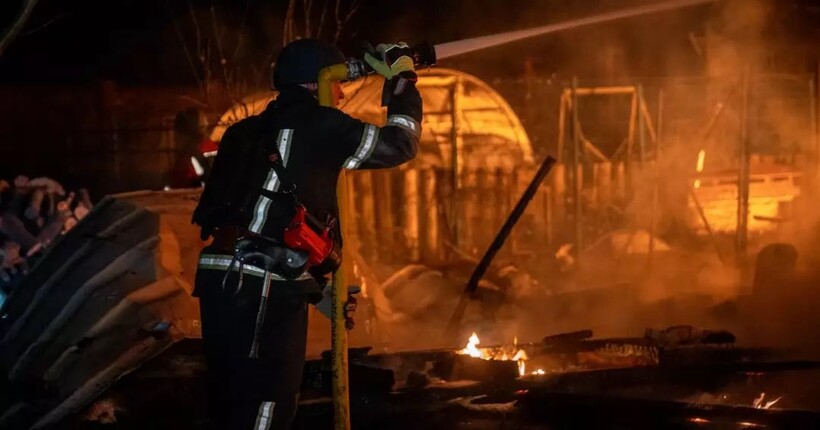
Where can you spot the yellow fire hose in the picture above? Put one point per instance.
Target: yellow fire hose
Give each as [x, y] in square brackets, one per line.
[338, 332]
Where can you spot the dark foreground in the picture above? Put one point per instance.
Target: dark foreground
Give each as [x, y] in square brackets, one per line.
[694, 388]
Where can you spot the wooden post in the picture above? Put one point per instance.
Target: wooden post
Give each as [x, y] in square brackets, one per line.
[705, 222]
[385, 224]
[656, 183]
[576, 167]
[455, 145]
[620, 180]
[743, 174]
[603, 183]
[368, 213]
[411, 213]
[659, 137]
[549, 216]
[430, 205]
[641, 128]
[633, 113]
[504, 193]
[485, 187]
[814, 165]
[559, 192]
[472, 221]
[562, 119]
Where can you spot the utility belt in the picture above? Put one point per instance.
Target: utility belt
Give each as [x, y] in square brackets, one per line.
[303, 251]
[304, 254]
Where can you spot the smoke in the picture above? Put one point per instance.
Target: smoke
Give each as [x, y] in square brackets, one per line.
[691, 277]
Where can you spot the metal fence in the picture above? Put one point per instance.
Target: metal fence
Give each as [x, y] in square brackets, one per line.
[417, 214]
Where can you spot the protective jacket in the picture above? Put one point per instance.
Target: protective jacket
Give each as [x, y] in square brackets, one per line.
[314, 143]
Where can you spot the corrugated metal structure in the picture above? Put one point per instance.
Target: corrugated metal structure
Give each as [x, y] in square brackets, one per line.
[457, 106]
[111, 294]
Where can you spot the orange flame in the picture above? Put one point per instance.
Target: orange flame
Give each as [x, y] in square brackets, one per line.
[501, 354]
[699, 165]
[759, 404]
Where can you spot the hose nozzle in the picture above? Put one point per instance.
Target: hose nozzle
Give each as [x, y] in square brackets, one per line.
[424, 54]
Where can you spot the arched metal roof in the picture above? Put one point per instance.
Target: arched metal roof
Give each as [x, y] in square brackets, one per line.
[490, 134]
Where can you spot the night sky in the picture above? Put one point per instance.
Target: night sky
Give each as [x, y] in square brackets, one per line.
[137, 41]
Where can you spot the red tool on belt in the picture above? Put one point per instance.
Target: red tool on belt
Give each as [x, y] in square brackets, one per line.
[300, 235]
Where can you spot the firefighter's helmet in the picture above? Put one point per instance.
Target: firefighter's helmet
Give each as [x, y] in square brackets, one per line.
[301, 60]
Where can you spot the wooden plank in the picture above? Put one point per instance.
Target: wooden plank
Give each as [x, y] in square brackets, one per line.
[411, 210]
[430, 216]
[472, 222]
[384, 222]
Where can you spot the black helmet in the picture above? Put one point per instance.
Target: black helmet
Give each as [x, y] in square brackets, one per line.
[301, 60]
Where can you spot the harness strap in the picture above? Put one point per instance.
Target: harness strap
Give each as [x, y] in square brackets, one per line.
[223, 262]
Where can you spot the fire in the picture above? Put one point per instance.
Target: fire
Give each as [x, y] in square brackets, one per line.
[759, 404]
[501, 354]
[699, 166]
[471, 349]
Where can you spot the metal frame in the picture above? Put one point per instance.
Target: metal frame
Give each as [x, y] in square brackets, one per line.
[640, 121]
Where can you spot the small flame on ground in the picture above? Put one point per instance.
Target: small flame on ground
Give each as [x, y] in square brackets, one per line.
[539, 372]
[759, 404]
[701, 160]
[750, 425]
[472, 350]
[698, 420]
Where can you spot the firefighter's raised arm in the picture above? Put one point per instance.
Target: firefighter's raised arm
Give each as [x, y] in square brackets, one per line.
[368, 146]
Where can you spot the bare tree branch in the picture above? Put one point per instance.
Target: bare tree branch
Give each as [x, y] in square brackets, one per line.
[199, 81]
[322, 20]
[242, 29]
[218, 41]
[17, 25]
[287, 35]
[206, 63]
[46, 24]
[342, 21]
[199, 52]
[307, 7]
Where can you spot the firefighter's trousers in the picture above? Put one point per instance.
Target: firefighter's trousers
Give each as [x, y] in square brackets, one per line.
[251, 388]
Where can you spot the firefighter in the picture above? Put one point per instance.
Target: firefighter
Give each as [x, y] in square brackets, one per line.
[195, 150]
[252, 286]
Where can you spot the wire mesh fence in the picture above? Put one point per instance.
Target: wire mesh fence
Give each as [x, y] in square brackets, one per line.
[633, 136]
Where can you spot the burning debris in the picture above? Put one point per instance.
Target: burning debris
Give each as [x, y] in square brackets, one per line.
[500, 353]
[760, 402]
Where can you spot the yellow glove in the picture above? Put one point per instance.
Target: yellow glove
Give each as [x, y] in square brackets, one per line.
[395, 59]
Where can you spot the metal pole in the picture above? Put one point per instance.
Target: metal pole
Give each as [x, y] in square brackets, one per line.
[562, 134]
[655, 185]
[454, 147]
[576, 166]
[743, 174]
[641, 128]
[472, 285]
[338, 331]
[660, 122]
[705, 222]
[814, 169]
[506, 229]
